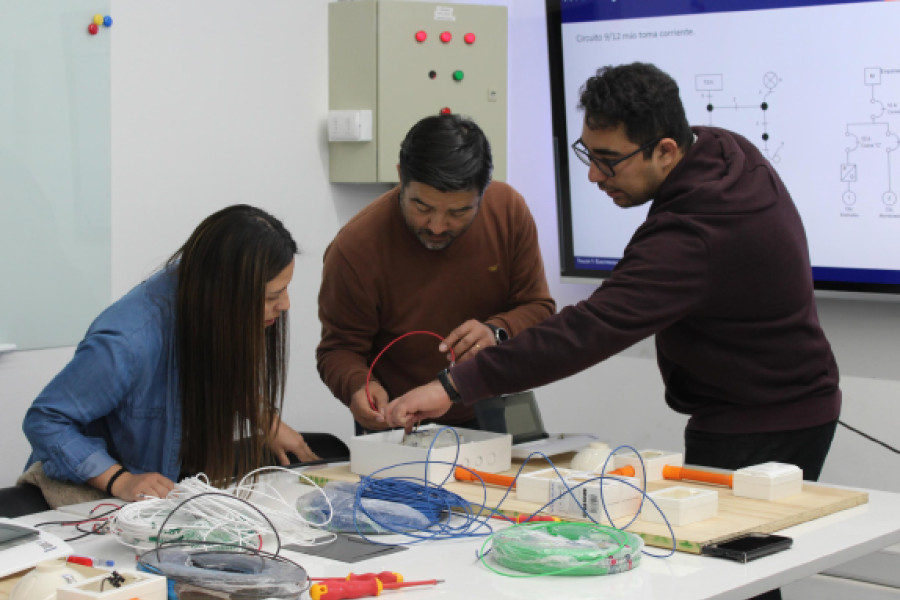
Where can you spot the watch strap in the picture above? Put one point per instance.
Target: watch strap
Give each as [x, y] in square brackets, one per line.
[444, 378]
[500, 334]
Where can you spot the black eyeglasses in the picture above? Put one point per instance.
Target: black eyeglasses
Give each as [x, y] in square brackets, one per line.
[604, 164]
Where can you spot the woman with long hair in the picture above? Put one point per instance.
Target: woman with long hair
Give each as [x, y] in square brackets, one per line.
[184, 374]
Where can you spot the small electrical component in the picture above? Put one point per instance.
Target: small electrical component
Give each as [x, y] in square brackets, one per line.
[425, 439]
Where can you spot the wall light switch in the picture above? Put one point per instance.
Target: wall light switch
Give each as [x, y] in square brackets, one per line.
[350, 126]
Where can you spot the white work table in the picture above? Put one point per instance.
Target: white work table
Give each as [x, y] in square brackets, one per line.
[818, 545]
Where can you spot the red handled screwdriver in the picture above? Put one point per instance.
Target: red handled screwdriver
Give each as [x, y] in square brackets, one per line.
[341, 589]
[384, 576]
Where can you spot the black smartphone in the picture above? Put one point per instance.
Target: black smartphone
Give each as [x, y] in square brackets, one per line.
[748, 547]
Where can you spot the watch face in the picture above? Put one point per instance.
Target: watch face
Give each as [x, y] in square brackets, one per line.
[501, 335]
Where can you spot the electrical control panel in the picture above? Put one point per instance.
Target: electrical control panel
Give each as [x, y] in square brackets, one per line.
[393, 62]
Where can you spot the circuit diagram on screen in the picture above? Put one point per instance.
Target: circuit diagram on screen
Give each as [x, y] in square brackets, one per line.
[751, 116]
[868, 168]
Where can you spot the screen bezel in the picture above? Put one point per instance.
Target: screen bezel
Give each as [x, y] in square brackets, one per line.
[492, 414]
[823, 277]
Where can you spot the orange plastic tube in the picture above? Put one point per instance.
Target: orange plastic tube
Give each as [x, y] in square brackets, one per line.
[670, 472]
[626, 471]
[527, 518]
[462, 474]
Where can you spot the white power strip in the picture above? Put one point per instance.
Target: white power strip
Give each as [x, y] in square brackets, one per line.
[143, 586]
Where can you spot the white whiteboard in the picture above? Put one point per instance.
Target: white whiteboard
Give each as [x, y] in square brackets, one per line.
[54, 170]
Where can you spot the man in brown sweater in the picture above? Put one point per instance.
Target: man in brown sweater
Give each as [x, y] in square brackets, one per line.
[446, 251]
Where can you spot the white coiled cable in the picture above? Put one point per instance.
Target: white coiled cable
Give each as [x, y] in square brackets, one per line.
[229, 517]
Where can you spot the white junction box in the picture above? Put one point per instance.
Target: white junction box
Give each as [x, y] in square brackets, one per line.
[681, 505]
[654, 461]
[144, 586]
[541, 486]
[481, 450]
[768, 481]
[535, 486]
[620, 499]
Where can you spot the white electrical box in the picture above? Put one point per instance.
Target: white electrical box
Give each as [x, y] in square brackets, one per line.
[535, 486]
[480, 450]
[768, 481]
[403, 61]
[621, 497]
[681, 505]
[143, 586]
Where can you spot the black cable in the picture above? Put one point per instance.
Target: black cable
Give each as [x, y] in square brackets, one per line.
[869, 437]
[100, 524]
[76, 522]
[83, 535]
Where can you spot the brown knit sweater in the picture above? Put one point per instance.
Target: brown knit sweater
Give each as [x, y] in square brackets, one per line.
[380, 282]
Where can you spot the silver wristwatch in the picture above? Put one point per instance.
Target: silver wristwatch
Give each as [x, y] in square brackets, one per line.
[500, 334]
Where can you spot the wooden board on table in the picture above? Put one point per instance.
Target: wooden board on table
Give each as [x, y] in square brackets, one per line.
[736, 515]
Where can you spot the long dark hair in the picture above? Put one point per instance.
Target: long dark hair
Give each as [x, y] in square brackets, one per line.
[232, 368]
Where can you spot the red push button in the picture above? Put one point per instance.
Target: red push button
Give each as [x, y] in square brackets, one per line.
[469, 38]
[446, 36]
[421, 36]
[446, 111]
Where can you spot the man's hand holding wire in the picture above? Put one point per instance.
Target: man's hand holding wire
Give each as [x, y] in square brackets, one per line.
[467, 340]
[429, 401]
[362, 411]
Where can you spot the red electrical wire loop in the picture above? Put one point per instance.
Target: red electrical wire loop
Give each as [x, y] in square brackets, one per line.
[372, 366]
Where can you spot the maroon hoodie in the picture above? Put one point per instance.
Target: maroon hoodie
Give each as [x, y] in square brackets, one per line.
[720, 273]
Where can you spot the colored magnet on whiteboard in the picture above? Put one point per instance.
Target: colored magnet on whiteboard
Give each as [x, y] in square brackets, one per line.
[446, 110]
[93, 29]
[469, 38]
[107, 21]
[98, 20]
[421, 36]
[446, 36]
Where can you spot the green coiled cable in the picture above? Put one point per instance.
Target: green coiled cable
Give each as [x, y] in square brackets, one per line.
[562, 548]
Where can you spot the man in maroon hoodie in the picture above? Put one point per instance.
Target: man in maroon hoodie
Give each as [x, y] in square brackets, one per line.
[719, 272]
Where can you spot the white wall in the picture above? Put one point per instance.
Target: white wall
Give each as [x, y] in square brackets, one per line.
[223, 101]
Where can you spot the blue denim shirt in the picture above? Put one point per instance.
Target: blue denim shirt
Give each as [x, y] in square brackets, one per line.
[118, 399]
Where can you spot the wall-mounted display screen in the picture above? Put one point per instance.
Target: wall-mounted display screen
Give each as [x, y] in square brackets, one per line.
[814, 85]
